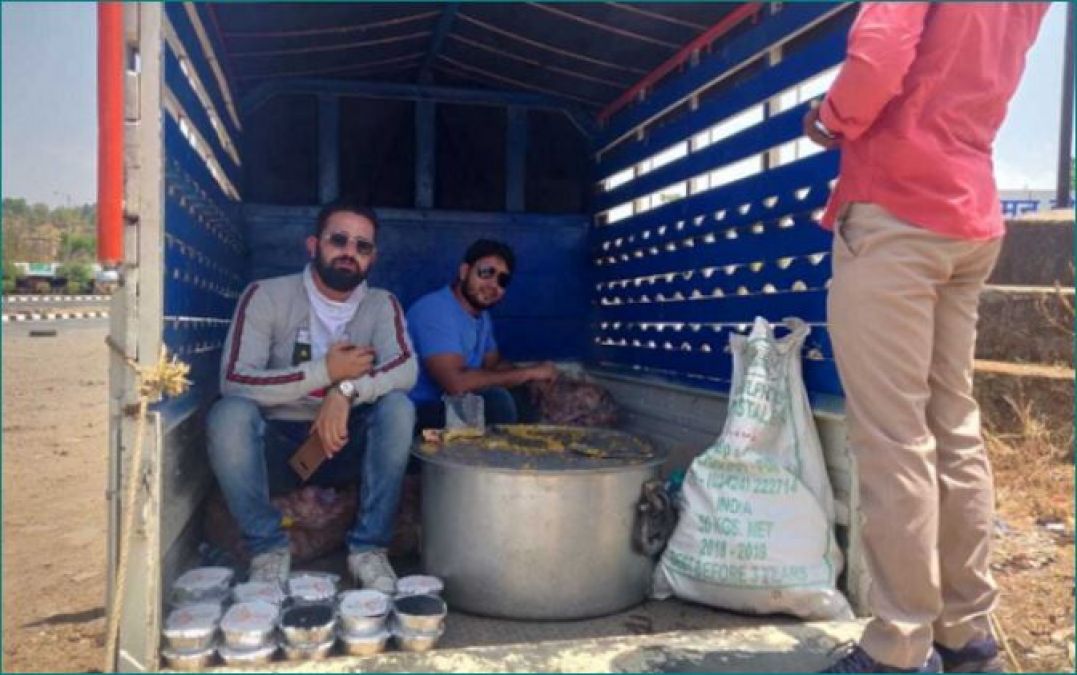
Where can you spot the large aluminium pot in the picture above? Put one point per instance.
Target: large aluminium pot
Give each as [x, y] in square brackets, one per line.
[541, 535]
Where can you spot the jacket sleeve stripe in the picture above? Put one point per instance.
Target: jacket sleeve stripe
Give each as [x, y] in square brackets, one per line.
[401, 340]
[233, 355]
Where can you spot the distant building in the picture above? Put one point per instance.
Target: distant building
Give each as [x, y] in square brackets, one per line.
[1022, 202]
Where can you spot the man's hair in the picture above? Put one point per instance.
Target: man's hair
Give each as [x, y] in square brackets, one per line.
[487, 247]
[347, 205]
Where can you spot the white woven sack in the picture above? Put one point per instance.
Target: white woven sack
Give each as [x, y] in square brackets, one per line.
[756, 532]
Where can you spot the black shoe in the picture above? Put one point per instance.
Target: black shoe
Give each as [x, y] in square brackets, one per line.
[978, 656]
[856, 660]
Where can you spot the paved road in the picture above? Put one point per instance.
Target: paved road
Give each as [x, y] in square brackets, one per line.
[21, 329]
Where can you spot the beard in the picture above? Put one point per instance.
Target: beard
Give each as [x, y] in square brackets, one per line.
[472, 296]
[338, 278]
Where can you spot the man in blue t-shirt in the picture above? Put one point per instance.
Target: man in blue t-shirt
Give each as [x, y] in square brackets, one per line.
[454, 338]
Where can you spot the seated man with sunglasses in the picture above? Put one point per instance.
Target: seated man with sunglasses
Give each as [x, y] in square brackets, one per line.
[454, 337]
[317, 353]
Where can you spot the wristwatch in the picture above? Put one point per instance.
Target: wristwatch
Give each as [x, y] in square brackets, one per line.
[347, 387]
[821, 128]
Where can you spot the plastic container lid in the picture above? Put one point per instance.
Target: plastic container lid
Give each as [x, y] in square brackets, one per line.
[364, 603]
[199, 616]
[307, 587]
[419, 584]
[250, 617]
[264, 591]
[203, 580]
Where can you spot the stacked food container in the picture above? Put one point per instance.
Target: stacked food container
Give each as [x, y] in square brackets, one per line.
[418, 613]
[304, 619]
[190, 630]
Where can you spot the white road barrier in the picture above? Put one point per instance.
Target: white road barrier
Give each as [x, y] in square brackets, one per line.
[52, 316]
[56, 298]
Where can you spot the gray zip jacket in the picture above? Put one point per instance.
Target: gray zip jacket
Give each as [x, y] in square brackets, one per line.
[263, 357]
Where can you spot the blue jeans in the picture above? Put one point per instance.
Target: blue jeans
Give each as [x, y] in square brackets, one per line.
[249, 455]
[498, 405]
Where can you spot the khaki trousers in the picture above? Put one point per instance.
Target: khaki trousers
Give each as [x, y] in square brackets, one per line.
[902, 314]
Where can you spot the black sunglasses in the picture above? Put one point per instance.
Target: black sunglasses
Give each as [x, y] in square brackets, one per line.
[340, 240]
[503, 278]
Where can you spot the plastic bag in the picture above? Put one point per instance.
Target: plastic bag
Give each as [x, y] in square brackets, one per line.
[756, 532]
[573, 401]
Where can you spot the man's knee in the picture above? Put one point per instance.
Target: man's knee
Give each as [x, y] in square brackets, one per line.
[395, 411]
[231, 424]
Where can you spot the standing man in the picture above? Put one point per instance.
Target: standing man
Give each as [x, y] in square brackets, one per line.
[321, 353]
[454, 336]
[917, 228]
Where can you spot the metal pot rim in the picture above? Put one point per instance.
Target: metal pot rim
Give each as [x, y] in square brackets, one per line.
[659, 459]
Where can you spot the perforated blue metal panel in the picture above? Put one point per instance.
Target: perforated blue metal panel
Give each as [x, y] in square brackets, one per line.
[204, 268]
[674, 282]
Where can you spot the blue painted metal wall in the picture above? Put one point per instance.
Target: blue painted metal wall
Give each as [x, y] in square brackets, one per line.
[658, 292]
[204, 250]
[543, 316]
[675, 281]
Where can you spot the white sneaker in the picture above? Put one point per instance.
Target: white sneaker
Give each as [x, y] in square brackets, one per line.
[274, 565]
[371, 569]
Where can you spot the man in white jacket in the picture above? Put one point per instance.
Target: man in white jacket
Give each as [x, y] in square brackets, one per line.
[318, 352]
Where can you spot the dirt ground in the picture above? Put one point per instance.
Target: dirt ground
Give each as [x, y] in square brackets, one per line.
[54, 462]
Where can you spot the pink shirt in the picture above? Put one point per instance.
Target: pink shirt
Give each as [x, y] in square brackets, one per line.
[917, 104]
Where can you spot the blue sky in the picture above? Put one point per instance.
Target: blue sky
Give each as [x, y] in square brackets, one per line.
[49, 109]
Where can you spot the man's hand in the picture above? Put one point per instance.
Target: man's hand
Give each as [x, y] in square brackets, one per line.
[347, 361]
[331, 424]
[544, 371]
[812, 131]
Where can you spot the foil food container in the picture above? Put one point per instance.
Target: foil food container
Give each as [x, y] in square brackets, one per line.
[308, 624]
[419, 584]
[178, 659]
[312, 587]
[258, 656]
[248, 625]
[265, 591]
[314, 652]
[420, 613]
[202, 584]
[363, 612]
[192, 628]
[364, 645]
[415, 641]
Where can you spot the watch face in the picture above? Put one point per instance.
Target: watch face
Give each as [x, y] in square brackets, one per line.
[347, 388]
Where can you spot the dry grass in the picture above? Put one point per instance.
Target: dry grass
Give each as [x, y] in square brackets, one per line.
[1032, 469]
[1034, 566]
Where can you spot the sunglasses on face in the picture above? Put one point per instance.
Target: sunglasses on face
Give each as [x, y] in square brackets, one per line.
[340, 240]
[503, 278]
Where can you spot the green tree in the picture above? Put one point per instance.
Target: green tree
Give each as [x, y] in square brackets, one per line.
[75, 246]
[79, 276]
[11, 275]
